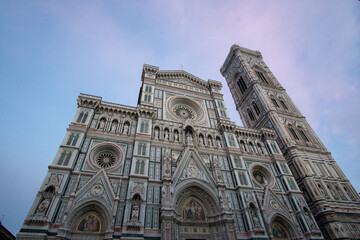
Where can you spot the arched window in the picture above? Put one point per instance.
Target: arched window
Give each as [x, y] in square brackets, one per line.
[242, 85]
[303, 135]
[144, 149]
[275, 102]
[256, 108]
[137, 166]
[251, 115]
[293, 133]
[70, 139]
[75, 140]
[62, 157]
[140, 146]
[283, 104]
[80, 116]
[84, 118]
[262, 77]
[67, 159]
[142, 166]
[142, 126]
[148, 89]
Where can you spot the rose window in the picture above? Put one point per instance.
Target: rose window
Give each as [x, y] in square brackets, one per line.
[107, 156]
[185, 108]
[184, 112]
[105, 159]
[262, 176]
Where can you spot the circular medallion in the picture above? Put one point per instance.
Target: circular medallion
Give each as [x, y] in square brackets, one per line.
[97, 190]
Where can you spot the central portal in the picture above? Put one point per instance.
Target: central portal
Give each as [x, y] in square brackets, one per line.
[195, 209]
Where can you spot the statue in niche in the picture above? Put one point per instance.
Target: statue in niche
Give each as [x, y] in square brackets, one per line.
[251, 148]
[218, 143]
[255, 217]
[126, 128]
[156, 133]
[309, 219]
[102, 123]
[189, 137]
[210, 143]
[166, 134]
[135, 212]
[260, 177]
[43, 206]
[201, 140]
[176, 136]
[113, 126]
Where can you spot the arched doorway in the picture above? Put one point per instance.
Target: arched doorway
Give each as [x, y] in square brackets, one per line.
[89, 221]
[281, 228]
[195, 209]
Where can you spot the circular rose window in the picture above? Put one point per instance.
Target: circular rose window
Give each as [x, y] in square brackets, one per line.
[105, 155]
[184, 112]
[185, 108]
[105, 159]
[262, 176]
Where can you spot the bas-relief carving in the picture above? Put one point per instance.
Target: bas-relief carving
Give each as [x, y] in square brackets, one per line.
[192, 170]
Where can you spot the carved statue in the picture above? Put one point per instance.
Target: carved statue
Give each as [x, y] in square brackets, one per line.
[156, 133]
[43, 206]
[135, 212]
[166, 134]
[210, 143]
[218, 143]
[201, 140]
[102, 123]
[176, 136]
[126, 128]
[189, 137]
[113, 126]
[255, 218]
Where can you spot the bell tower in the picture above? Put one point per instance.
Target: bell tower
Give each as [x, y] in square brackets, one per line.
[261, 102]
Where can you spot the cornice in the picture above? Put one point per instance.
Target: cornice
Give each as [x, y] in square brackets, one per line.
[168, 74]
[236, 48]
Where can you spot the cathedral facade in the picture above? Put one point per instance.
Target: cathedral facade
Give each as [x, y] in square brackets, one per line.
[176, 167]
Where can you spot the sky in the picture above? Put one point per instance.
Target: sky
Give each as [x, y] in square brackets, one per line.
[51, 51]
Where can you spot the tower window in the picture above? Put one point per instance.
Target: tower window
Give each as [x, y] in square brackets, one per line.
[256, 108]
[242, 85]
[251, 115]
[80, 117]
[275, 102]
[303, 135]
[84, 118]
[262, 77]
[293, 133]
[283, 105]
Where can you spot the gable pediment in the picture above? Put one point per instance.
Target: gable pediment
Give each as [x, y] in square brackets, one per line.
[181, 79]
[97, 188]
[191, 166]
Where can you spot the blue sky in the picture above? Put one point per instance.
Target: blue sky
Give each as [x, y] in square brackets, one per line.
[50, 51]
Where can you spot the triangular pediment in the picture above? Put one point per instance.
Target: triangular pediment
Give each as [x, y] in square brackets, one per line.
[191, 166]
[272, 205]
[97, 188]
[182, 78]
